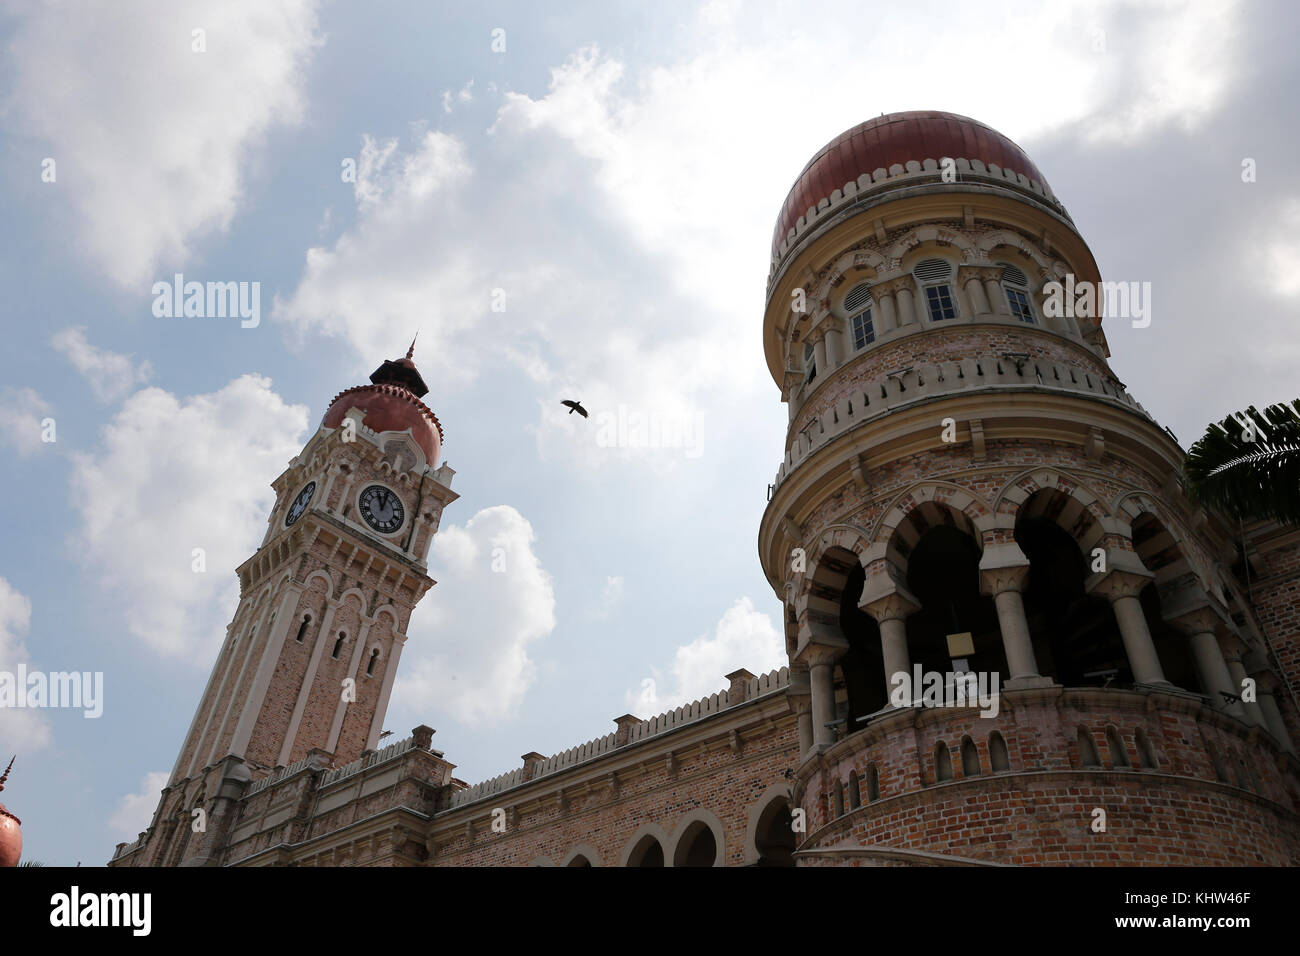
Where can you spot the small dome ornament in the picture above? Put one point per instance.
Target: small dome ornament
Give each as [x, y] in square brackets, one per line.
[11, 834]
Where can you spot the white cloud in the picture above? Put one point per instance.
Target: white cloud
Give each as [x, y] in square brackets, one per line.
[20, 424]
[110, 374]
[743, 637]
[1282, 252]
[400, 267]
[468, 647]
[151, 137]
[611, 596]
[134, 811]
[171, 475]
[25, 728]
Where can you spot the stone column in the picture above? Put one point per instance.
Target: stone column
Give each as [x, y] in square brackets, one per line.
[1122, 587]
[834, 346]
[890, 605]
[819, 352]
[993, 286]
[907, 314]
[979, 302]
[1236, 649]
[884, 296]
[1267, 686]
[1199, 626]
[820, 659]
[1005, 581]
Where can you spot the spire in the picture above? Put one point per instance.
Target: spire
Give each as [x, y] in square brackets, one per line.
[5, 776]
[410, 353]
[402, 372]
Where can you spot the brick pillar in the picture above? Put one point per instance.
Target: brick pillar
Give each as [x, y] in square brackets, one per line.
[740, 679]
[625, 725]
[531, 761]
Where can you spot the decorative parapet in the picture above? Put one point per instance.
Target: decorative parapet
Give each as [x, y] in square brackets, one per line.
[870, 189]
[125, 849]
[374, 759]
[257, 786]
[880, 396]
[756, 687]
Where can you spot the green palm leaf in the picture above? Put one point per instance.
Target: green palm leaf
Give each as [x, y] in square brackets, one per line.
[1249, 479]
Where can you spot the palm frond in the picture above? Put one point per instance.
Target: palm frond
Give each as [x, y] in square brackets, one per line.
[1248, 465]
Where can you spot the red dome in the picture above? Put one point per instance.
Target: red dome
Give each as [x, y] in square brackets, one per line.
[11, 839]
[11, 834]
[390, 408]
[892, 139]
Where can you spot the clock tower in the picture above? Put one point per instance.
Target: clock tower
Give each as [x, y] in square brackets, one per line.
[309, 659]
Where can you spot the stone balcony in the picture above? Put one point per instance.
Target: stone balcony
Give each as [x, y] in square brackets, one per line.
[880, 396]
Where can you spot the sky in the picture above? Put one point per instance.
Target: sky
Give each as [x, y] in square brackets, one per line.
[564, 201]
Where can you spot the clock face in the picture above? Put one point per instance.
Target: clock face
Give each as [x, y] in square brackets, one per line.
[382, 509]
[300, 504]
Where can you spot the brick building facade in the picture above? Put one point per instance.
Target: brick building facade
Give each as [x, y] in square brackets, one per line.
[966, 491]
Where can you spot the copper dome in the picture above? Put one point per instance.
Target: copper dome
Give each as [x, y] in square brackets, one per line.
[896, 138]
[392, 403]
[11, 836]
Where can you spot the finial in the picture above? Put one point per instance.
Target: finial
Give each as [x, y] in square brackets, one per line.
[5, 776]
[410, 353]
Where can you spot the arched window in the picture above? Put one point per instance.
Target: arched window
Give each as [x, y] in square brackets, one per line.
[1146, 753]
[934, 276]
[1087, 749]
[942, 762]
[809, 362]
[1118, 758]
[302, 628]
[839, 799]
[855, 791]
[374, 659]
[970, 758]
[338, 645]
[873, 784]
[859, 304]
[998, 753]
[1016, 285]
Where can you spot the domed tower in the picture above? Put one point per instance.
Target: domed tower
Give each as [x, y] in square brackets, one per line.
[310, 657]
[970, 501]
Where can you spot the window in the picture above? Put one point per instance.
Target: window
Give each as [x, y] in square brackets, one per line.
[302, 628]
[942, 763]
[1116, 747]
[998, 756]
[970, 759]
[933, 276]
[855, 791]
[1087, 749]
[1016, 285]
[873, 783]
[809, 362]
[374, 659]
[864, 329]
[338, 645]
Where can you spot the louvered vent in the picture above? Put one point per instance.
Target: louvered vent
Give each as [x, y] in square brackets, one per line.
[1013, 275]
[932, 270]
[859, 298]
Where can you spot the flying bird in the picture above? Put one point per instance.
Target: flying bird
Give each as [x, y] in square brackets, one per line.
[574, 407]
